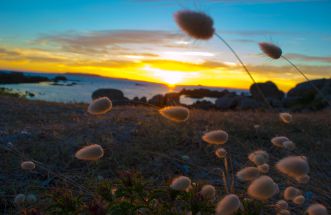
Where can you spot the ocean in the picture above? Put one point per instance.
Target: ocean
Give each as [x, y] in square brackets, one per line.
[84, 85]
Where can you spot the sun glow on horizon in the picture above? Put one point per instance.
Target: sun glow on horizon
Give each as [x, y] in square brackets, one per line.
[171, 78]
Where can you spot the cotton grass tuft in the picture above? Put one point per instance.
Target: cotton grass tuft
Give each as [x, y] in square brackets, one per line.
[100, 106]
[291, 192]
[19, 199]
[271, 50]
[31, 198]
[279, 141]
[196, 24]
[317, 209]
[299, 200]
[281, 205]
[286, 117]
[91, 153]
[28, 165]
[303, 179]
[262, 188]
[181, 183]
[208, 192]
[248, 174]
[293, 166]
[264, 168]
[284, 212]
[228, 205]
[175, 113]
[259, 157]
[217, 137]
[220, 153]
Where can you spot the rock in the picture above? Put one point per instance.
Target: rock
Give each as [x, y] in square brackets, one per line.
[171, 99]
[305, 96]
[269, 90]
[227, 102]
[60, 78]
[157, 100]
[247, 103]
[201, 93]
[205, 105]
[19, 77]
[116, 96]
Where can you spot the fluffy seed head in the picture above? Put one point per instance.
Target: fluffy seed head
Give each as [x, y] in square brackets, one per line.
[262, 188]
[264, 168]
[218, 137]
[19, 199]
[208, 192]
[299, 200]
[293, 166]
[304, 179]
[196, 24]
[317, 209]
[291, 192]
[28, 165]
[220, 152]
[281, 205]
[259, 157]
[248, 174]
[31, 198]
[285, 117]
[100, 106]
[91, 153]
[228, 205]
[181, 183]
[279, 141]
[284, 212]
[289, 145]
[271, 50]
[175, 113]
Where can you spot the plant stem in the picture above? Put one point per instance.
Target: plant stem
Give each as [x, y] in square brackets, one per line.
[307, 79]
[245, 68]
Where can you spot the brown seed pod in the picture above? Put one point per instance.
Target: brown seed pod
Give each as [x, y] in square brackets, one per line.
[208, 192]
[175, 113]
[293, 166]
[259, 157]
[91, 153]
[271, 50]
[291, 192]
[299, 200]
[248, 174]
[196, 24]
[228, 205]
[262, 188]
[181, 183]
[28, 165]
[285, 117]
[217, 137]
[99, 106]
[317, 209]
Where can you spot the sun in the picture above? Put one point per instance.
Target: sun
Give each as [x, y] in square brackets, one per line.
[171, 78]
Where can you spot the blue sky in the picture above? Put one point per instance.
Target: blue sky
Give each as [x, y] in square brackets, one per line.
[301, 27]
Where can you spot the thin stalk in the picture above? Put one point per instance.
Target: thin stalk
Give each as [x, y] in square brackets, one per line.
[307, 79]
[245, 68]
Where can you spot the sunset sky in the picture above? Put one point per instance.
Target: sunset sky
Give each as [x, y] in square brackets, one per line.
[138, 39]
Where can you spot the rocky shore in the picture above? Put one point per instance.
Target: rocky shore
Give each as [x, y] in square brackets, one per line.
[303, 97]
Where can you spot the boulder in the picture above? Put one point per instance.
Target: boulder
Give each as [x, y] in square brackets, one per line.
[171, 99]
[157, 100]
[227, 102]
[205, 105]
[247, 103]
[305, 96]
[202, 92]
[269, 90]
[116, 96]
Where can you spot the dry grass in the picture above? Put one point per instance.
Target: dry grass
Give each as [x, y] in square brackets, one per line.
[139, 138]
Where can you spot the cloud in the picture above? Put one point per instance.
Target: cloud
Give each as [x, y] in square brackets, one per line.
[309, 58]
[103, 41]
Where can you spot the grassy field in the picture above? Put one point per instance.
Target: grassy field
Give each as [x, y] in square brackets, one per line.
[138, 138]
